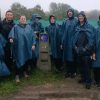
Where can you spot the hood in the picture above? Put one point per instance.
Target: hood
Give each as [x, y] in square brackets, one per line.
[83, 14]
[34, 16]
[51, 17]
[70, 10]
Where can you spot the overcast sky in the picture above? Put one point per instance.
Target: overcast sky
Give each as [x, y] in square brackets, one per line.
[85, 5]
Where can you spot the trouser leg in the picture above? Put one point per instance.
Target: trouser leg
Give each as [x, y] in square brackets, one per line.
[97, 75]
[58, 64]
[86, 70]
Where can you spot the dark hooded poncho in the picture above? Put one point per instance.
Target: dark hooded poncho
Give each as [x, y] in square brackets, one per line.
[68, 31]
[3, 68]
[24, 39]
[96, 63]
[84, 38]
[37, 28]
[53, 31]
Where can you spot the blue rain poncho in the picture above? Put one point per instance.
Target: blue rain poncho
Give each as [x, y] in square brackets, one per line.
[24, 39]
[37, 28]
[4, 71]
[68, 31]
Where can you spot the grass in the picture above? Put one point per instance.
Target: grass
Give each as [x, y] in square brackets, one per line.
[38, 77]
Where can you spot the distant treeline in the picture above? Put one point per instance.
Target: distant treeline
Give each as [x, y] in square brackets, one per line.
[58, 9]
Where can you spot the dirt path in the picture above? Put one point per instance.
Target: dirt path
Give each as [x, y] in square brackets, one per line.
[66, 90]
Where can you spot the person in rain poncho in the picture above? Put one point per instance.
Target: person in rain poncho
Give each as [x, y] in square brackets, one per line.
[68, 30]
[37, 28]
[83, 45]
[53, 31]
[96, 56]
[23, 44]
[5, 27]
[4, 71]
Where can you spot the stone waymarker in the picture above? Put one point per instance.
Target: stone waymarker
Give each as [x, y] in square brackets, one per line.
[44, 57]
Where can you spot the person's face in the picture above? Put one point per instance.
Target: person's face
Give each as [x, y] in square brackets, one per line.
[9, 16]
[22, 20]
[81, 18]
[52, 20]
[70, 14]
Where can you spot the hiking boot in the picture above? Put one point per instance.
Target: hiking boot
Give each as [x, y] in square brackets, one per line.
[88, 86]
[81, 81]
[67, 75]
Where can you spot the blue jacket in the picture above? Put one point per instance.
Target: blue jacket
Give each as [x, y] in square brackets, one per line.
[37, 28]
[68, 30]
[24, 38]
[84, 39]
[54, 40]
[96, 63]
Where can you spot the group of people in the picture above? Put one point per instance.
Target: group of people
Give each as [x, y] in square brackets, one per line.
[19, 46]
[74, 44]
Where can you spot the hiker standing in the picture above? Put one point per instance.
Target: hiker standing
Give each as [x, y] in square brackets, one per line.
[83, 45]
[96, 57]
[37, 29]
[5, 27]
[23, 41]
[53, 31]
[68, 30]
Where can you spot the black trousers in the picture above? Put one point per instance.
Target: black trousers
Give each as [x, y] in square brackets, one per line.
[57, 62]
[22, 69]
[97, 75]
[34, 63]
[84, 63]
[70, 67]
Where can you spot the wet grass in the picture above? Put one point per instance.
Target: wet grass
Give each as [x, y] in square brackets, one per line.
[38, 77]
